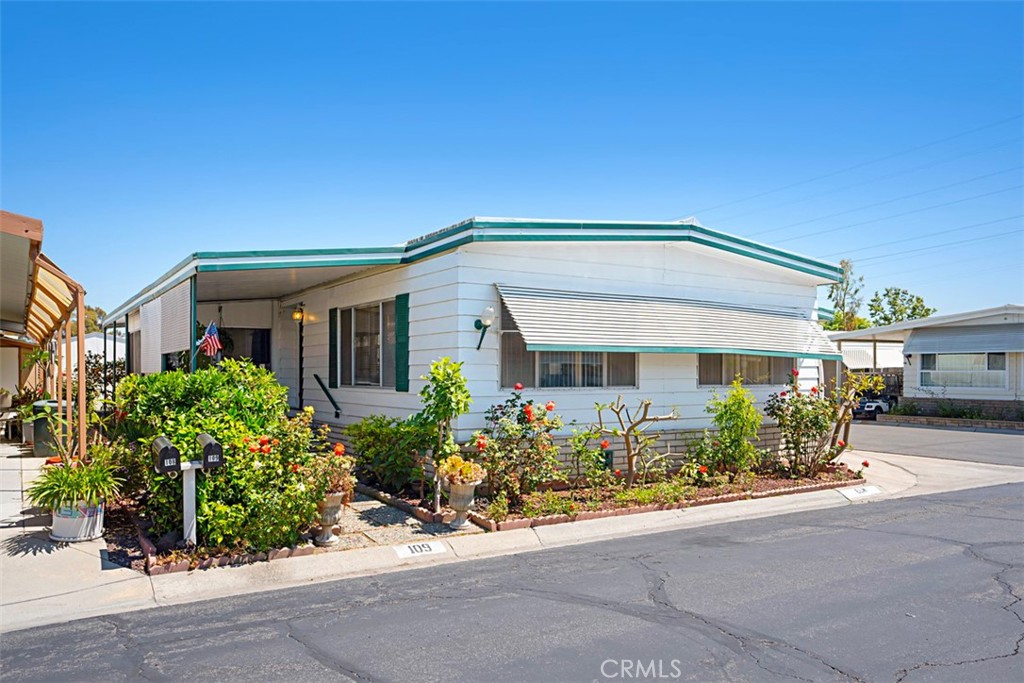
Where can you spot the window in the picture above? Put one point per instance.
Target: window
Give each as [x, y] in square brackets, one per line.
[560, 368]
[135, 352]
[984, 370]
[721, 368]
[363, 345]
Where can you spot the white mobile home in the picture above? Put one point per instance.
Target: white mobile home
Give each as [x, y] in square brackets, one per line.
[972, 360]
[583, 311]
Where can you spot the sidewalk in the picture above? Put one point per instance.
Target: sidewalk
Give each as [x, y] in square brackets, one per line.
[44, 582]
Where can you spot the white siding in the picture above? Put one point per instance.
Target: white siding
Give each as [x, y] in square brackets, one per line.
[149, 324]
[176, 318]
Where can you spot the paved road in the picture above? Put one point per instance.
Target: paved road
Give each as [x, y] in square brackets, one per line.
[920, 589]
[994, 448]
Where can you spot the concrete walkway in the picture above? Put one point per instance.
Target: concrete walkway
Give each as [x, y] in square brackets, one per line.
[47, 583]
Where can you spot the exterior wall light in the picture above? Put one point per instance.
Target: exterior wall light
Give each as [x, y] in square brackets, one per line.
[298, 313]
[485, 320]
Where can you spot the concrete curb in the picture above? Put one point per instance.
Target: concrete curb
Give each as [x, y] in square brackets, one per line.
[896, 475]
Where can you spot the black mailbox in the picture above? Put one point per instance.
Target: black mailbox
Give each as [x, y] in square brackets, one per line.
[166, 457]
[213, 452]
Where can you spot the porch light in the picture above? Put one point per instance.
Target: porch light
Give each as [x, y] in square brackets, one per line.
[485, 320]
[298, 313]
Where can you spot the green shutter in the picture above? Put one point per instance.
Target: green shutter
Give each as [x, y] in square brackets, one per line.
[332, 350]
[402, 342]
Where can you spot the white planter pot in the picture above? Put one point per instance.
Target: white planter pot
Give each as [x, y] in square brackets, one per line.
[330, 516]
[81, 522]
[460, 498]
[5, 401]
[28, 431]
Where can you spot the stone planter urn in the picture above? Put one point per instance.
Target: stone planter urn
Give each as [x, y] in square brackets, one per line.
[330, 516]
[460, 498]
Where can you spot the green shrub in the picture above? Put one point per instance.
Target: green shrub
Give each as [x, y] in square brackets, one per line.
[737, 420]
[673, 490]
[517, 448]
[265, 495]
[390, 450]
[807, 421]
[497, 509]
[548, 503]
[906, 408]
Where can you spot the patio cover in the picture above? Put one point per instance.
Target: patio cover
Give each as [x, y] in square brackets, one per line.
[554, 320]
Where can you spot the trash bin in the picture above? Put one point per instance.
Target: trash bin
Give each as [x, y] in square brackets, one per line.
[44, 437]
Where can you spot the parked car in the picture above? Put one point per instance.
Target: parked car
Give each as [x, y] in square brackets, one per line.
[873, 406]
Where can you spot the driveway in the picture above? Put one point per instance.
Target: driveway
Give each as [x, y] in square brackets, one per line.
[989, 447]
[919, 589]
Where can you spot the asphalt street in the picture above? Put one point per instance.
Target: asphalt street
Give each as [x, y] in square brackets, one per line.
[919, 589]
[995, 448]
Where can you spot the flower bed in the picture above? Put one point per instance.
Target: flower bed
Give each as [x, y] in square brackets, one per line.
[596, 504]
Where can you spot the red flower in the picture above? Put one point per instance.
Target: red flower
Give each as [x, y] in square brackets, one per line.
[266, 449]
[703, 469]
[295, 467]
[866, 464]
[841, 443]
[814, 390]
[245, 439]
[254, 449]
[550, 406]
[605, 444]
[796, 373]
[528, 411]
[518, 386]
[618, 473]
[276, 442]
[339, 449]
[481, 443]
[264, 440]
[782, 394]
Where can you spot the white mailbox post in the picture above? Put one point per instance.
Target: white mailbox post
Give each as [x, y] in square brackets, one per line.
[167, 459]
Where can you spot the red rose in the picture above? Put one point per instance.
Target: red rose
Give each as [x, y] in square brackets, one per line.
[796, 373]
[866, 464]
[295, 467]
[245, 439]
[605, 444]
[264, 440]
[550, 407]
[841, 443]
[339, 449]
[518, 386]
[481, 443]
[814, 390]
[254, 449]
[266, 449]
[618, 473]
[703, 469]
[782, 394]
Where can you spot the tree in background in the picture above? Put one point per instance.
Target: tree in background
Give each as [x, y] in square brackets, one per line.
[93, 315]
[846, 300]
[896, 305]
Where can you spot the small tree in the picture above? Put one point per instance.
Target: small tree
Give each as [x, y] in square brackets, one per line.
[445, 397]
[738, 421]
[895, 305]
[638, 444]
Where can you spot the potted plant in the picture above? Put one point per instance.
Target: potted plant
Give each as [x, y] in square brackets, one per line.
[460, 477]
[334, 471]
[75, 491]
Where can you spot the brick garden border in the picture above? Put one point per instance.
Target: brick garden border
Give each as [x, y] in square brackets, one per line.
[488, 524]
[154, 568]
[950, 422]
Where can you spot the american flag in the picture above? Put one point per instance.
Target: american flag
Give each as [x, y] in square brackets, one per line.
[210, 343]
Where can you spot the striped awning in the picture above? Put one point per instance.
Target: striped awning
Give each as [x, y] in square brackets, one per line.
[52, 301]
[552, 320]
[967, 339]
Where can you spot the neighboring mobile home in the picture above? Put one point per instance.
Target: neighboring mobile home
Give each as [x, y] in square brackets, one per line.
[971, 361]
[583, 311]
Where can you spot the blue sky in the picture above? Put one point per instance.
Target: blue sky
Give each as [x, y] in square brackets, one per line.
[889, 133]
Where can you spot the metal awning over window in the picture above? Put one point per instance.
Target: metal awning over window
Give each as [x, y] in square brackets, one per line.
[967, 339]
[552, 320]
